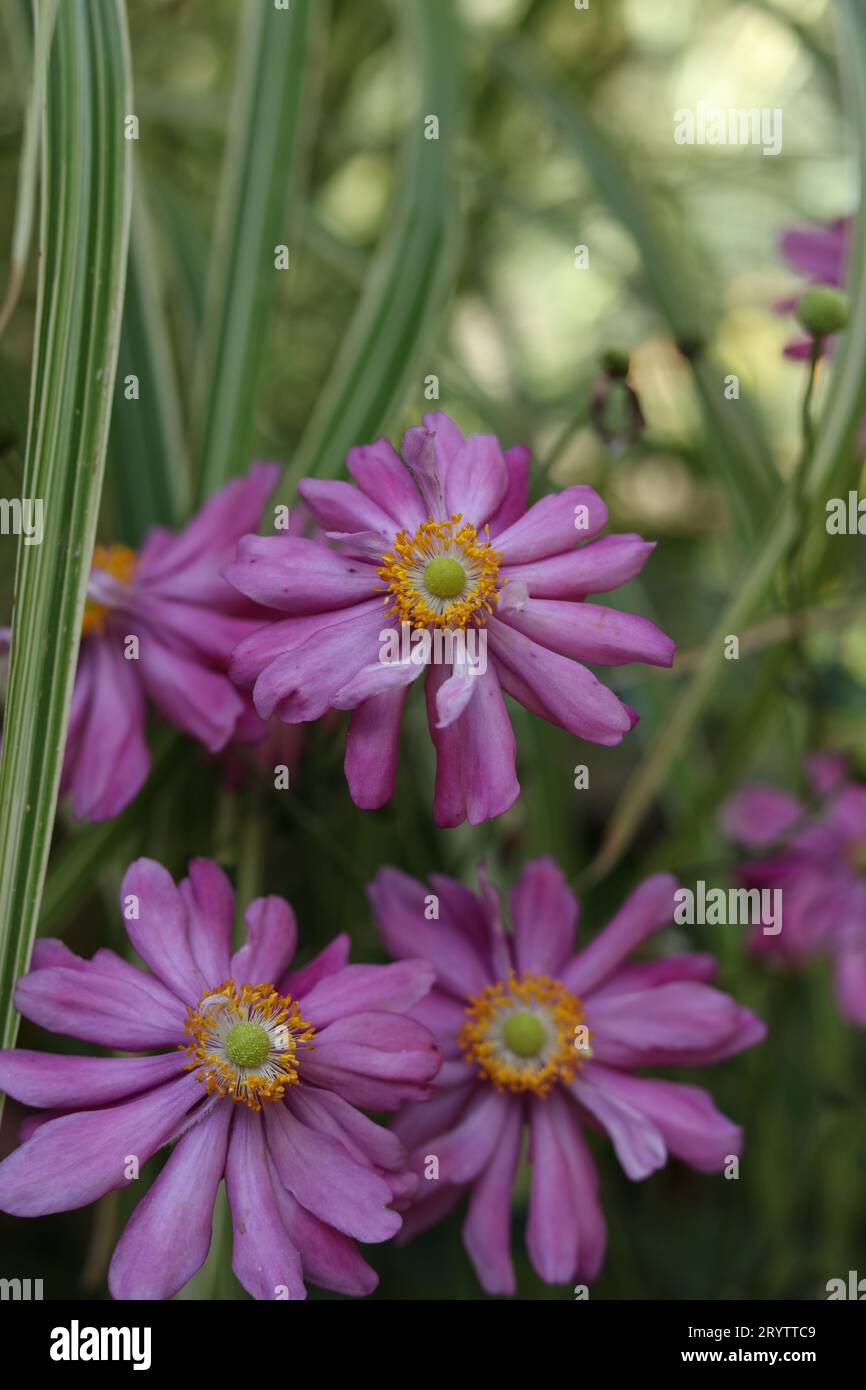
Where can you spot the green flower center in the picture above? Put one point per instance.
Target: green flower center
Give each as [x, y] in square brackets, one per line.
[444, 577]
[523, 1034]
[247, 1045]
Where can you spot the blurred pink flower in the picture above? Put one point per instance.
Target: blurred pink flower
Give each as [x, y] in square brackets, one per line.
[171, 598]
[817, 858]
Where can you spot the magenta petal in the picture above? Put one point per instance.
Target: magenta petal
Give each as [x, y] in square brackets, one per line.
[299, 576]
[210, 906]
[487, 1228]
[638, 1142]
[108, 760]
[515, 501]
[366, 1141]
[552, 1231]
[817, 251]
[568, 691]
[272, 935]
[375, 1060]
[264, 1258]
[467, 1148]
[167, 1238]
[595, 568]
[477, 479]
[758, 815]
[379, 473]
[398, 904]
[70, 1083]
[649, 907]
[649, 974]
[301, 684]
[392, 988]
[328, 1258]
[417, 1124]
[544, 912]
[691, 1126]
[321, 1174]
[588, 632]
[549, 527]
[849, 971]
[188, 564]
[475, 756]
[372, 745]
[337, 506]
[155, 918]
[72, 1161]
[676, 1024]
[104, 1000]
[328, 961]
[200, 702]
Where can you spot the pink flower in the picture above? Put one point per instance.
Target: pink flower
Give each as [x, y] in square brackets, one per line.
[185, 619]
[257, 1077]
[817, 858]
[820, 253]
[535, 1035]
[442, 544]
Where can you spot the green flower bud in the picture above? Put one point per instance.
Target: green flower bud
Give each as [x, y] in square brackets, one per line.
[822, 311]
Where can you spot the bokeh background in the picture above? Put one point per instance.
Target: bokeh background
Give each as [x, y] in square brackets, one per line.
[556, 130]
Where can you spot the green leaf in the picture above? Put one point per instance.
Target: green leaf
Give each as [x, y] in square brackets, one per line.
[27, 167]
[84, 228]
[411, 270]
[261, 172]
[147, 472]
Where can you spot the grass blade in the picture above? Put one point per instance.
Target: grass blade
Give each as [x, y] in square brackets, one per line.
[261, 170]
[27, 168]
[405, 286]
[84, 226]
[147, 473]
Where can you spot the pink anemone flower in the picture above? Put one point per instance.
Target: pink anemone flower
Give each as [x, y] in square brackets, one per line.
[816, 857]
[434, 563]
[257, 1079]
[537, 1037]
[160, 625]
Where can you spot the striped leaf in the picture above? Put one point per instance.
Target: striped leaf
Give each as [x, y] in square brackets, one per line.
[84, 227]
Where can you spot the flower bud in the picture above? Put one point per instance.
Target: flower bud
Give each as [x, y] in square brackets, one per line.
[823, 311]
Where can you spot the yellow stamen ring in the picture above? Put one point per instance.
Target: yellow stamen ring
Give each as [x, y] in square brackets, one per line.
[244, 1042]
[120, 562]
[443, 574]
[520, 1034]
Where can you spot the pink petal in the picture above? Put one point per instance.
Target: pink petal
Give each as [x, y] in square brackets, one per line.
[167, 1238]
[549, 528]
[587, 632]
[272, 935]
[158, 928]
[544, 912]
[475, 756]
[595, 568]
[487, 1228]
[372, 746]
[649, 907]
[71, 1161]
[477, 479]
[264, 1258]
